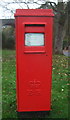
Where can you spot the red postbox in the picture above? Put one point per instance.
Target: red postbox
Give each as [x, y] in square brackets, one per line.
[34, 59]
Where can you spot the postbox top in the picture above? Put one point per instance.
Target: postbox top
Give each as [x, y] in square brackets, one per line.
[34, 12]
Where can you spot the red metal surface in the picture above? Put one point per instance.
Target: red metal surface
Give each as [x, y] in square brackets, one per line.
[34, 12]
[34, 63]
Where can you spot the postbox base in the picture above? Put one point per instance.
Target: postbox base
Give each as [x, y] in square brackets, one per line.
[34, 114]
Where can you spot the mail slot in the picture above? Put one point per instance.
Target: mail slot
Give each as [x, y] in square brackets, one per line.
[33, 59]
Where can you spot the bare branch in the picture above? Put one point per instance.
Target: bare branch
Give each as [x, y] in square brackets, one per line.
[26, 5]
[53, 4]
[19, 3]
[53, 7]
[6, 8]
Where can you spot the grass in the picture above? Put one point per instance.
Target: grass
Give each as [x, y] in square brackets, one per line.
[59, 86]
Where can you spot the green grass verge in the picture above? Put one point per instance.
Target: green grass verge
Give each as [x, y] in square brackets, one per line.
[59, 86]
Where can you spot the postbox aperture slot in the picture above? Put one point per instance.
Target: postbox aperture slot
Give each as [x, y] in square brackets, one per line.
[35, 25]
[34, 39]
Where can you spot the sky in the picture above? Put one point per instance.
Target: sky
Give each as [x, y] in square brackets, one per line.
[5, 8]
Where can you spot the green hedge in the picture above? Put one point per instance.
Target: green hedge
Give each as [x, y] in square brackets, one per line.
[8, 39]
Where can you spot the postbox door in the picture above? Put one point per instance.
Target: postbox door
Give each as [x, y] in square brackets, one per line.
[34, 52]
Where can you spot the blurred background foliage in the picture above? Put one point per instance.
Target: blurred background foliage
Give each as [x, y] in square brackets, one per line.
[8, 38]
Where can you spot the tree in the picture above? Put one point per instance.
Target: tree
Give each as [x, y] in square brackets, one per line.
[61, 21]
[61, 27]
